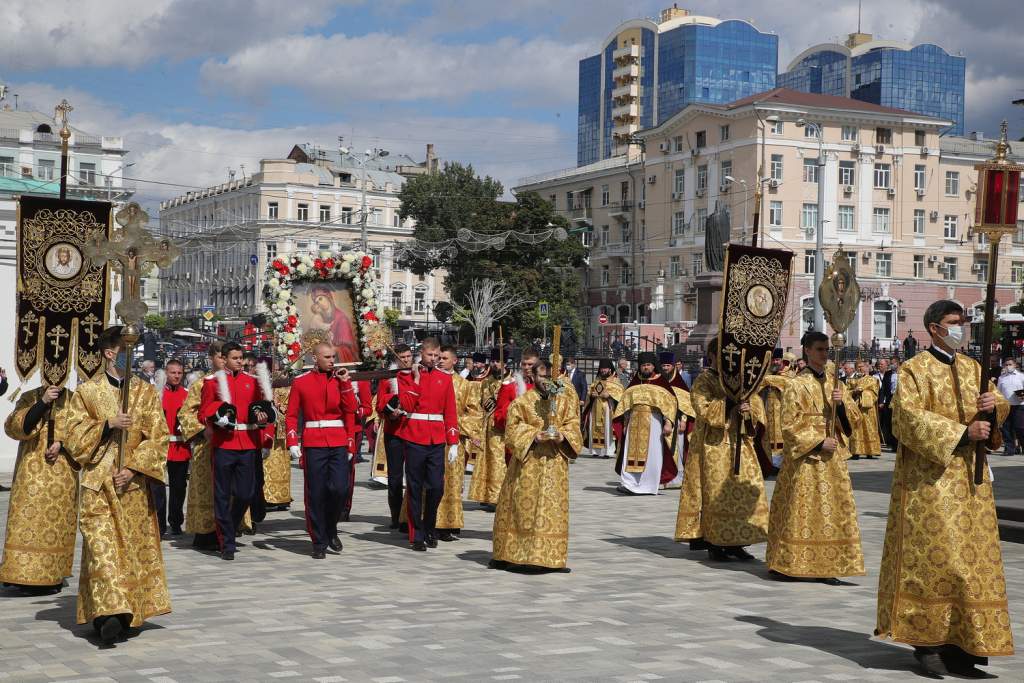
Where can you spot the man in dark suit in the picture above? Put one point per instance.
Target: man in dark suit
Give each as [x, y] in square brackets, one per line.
[579, 382]
[885, 394]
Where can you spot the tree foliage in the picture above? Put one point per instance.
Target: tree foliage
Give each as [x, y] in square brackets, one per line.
[155, 321]
[457, 198]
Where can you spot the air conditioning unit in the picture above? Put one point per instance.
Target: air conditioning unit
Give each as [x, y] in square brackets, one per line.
[672, 242]
[932, 260]
[848, 189]
[700, 192]
[976, 268]
[924, 151]
[866, 256]
[408, 310]
[879, 149]
[934, 215]
[855, 147]
[663, 146]
[641, 204]
[920, 192]
[724, 187]
[652, 179]
[891, 192]
[676, 196]
[773, 184]
[694, 152]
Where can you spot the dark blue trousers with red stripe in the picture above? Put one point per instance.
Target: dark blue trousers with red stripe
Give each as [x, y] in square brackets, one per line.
[326, 488]
[424, 474]
[234, 483]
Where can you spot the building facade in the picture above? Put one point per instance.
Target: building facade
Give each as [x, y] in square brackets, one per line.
[920, 78]
[648, 70]
[898, 200]
[311, 201]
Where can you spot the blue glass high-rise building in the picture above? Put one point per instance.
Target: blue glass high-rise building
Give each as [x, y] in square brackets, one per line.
[649, 70]
[924, 78]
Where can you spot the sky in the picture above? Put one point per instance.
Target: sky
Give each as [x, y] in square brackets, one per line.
[198, 87]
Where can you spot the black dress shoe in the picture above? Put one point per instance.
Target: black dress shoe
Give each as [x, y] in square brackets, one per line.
[718, 554]
[698, 544]
[319, 554]
[497, 564]
[175, 531]
[831, 581]
[110, 629]
[394, 524]
[739, 552]
[335, 543]
[419, 546]
[929, 664]
[431, 541]
[446, 536]
[227, 555]
[344, 515]
[779, 576]
[961, 663]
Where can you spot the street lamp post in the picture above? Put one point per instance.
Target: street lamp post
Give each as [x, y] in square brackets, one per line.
[109, 183]
[370, 155]
[819, 229]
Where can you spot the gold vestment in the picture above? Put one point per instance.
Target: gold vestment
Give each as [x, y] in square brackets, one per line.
[199, 510]
[773, 385]
[716, 505]
[122, 569]
[601, 410]
[489, 466]
[42, 513]
[866, 440]
[277, 468]
[449, 511]
[812, 529]
[642, 402]
[531, 523]
[941, 580]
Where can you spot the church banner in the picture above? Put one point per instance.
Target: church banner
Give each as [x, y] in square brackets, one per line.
[754, 290]
[62, 294]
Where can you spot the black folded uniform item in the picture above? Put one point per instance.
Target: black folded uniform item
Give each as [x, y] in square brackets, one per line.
[227, 415]
[266, 406]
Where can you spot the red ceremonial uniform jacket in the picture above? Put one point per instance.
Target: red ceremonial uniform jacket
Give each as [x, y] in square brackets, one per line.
[172, 400]
[432, 396]
[508, 393]
[318, 397]
[384, 395]
[244, 391]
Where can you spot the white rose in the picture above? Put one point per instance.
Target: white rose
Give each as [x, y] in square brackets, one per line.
[288, 337]
[325, 254]
[291, 310]
[346, 267]
[302, 269]
[274, 283]
[282, 349]
[349, 257]
[283, 295]
[367, 293]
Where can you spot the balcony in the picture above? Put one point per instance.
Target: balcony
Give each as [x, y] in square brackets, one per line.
[626, 90]
[582, 215]
[621, 210]
[627, 52]
[619, 249]
[629, 72]
[626, 113]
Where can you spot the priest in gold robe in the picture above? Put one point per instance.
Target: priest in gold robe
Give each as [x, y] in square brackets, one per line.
[42, 512]
[941, 587]
[719, 510]
[600, 432]
[277, 467]
[467, 406]
[489, 468]
[813, 531]
[866, 441]
[122, 581]
[772, 386]
[531, 523]
[199, 501]
[648, 411]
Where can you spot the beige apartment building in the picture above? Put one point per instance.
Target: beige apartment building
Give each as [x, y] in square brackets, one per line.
[310, 201]
[898, 197]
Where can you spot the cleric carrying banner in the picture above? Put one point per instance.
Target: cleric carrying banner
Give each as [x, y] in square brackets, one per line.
[63, 296]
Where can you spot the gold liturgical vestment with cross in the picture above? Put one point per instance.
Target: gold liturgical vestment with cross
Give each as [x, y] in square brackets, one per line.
[531, 523]
[722, 508]
[865, 439]
[489, 466]
[277, 468]
[122, 564]
[599, 419]
[813, 529]
[942, 578]
[199, 500]
[42, 515]
[467, 405]
[774, 385]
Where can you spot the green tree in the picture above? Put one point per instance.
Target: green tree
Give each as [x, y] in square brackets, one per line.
[446, 204]
[155, 321]
[391, 316]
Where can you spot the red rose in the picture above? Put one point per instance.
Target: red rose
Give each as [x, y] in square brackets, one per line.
[318, 264]
[329, 263]
[292, 320]
[370, 315]
[296, 347]
[366, 262]
[276, 264]
[289, 328]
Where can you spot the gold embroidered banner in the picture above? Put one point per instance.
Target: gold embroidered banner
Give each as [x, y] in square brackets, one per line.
[62, 293]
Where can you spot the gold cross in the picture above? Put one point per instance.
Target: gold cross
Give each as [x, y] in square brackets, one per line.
[28, 326]
[729, 352]
[89, 323]
[62, 110]
[753, 367]
[55, 335]
[128, 250]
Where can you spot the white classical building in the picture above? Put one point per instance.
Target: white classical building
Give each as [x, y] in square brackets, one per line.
[312, 200]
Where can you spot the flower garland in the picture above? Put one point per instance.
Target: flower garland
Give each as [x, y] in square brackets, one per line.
[353, 266]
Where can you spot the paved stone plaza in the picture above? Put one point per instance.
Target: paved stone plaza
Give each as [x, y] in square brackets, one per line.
[637, 606]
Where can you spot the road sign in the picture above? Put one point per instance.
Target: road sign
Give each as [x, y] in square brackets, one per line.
[253, 260]
[542, 310]
[603, 319]
[209, 307]
[209, 315]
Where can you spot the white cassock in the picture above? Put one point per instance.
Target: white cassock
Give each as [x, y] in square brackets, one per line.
[648, 481]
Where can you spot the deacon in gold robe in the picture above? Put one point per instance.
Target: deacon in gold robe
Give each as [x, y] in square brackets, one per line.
[941, 587]
[42, 512]
[199, 501]
[122, 581]
[531, 523]
[467, 405]
[772, 386]
[865, 440]
[489, 468]
[648, 410]
[601, 433]
[277, 467]
[813, 530]
[724, 510]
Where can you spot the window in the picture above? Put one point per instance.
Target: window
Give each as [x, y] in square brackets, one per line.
[726, 170]
[949, 271]
[346, 215]
[272, 210]
[849, 134]
[723, 133]
[809, 261]
[626, 233]
[325, 214]
[45, 169]
[880, 224]
[883, 265]
[303, 212]
[554, 201]
[845, 218]
[674, 269]
[624, 191]
[810, 170]
[605, 232]
[702, 177]
[87, 173]
[775, 214]
[918, 266]
[6, 166]
[809, 218]
[678, 223]
[323, 246]
[847, 173]
[605, 195]
[883, 136]
[271, 251]
[696, 264]
[776, 128]
[375, 258]
[643, 229]
[586, 238]
[919, 139]
[949, 227]
[807, 312]
[811, 131]
[981, 268]
[702, 139]
[302, 246]
[1017, 272]
[919, 221]
[624, 275]
[397, 292]
[679, 182]
[883, 174]
[702, 221]
[677, 143]
[604, 276]
[884, 319]
[396, 220]
[919, 176]
[776, 167]
[419, 300]
[952, 183]
[376, 217]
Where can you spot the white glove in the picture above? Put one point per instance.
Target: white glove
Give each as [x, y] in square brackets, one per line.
[224, 421]
[453, 453]
[295, 452]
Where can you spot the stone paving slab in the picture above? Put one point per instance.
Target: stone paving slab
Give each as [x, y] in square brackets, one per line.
[636, 607]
